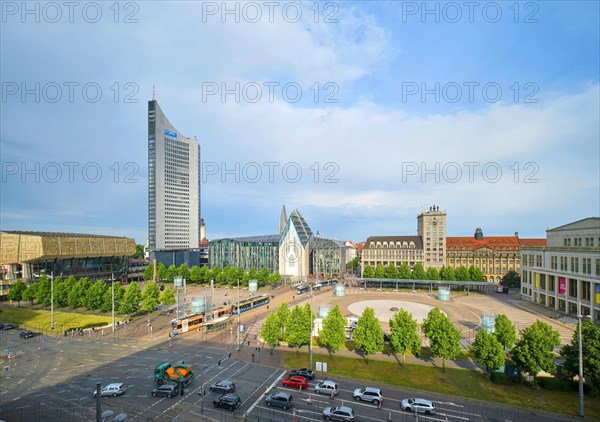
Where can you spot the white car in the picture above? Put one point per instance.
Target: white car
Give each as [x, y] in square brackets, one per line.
[418, 405]
[114, 389]
[327, 387]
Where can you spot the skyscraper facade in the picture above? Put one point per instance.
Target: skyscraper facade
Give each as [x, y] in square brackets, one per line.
[173, 185]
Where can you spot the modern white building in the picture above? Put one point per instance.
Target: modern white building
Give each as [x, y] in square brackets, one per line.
[173, 186]
[566, 271]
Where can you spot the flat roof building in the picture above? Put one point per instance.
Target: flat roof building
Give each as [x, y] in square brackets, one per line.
[27, 255]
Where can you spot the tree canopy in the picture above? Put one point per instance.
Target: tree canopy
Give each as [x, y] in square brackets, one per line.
[590, 334]
[333, 334]
[533, 353]
[403, 333]
[368, 335]
[487, 350]
[505, 331]
[444, 339]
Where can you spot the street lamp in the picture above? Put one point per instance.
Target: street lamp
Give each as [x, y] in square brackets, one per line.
[52, 300]
[238, 315]
[580, 317]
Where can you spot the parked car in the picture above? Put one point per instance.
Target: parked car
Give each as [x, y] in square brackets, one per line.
[26, 334]
[418, 405]
[228, 401]
[327, 387]
[338, 413]
[7, 326]
[303, 372]
[113, 389]
[371, 394]
[295, 382]
[280, 399]
[168, 389]
[223, 387]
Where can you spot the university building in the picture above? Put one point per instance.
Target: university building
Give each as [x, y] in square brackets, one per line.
[428, 247]
[566, 271]
[27, 255]
[295, 251]
[493, 255]
[173, 191]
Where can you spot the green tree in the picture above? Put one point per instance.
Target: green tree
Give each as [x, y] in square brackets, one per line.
[297, 329]
[205, 274]
[475, 274]
[353, 263]
[184, 271]
[487, 350]
[283, 313]
[16, 291]
[590, 334]
[505, 331]
[161, 271]
[511, 279]
[462, 274]
[167, 297]
[403, 333]
[533, 353]
[130, 303]
[418, 272]
[139, 252]
[391, 271]
[333, 334]
[432, 274]
[379, 271]
[171, 272]
[196, 273]
[94, 296]
[150, 296]
[149, 272]
[404, 271]
[270, 332]
[107, 299]
[444, 339]
[368, 335]
[31, 292]
[62, 289]
[368, 272]
[214, 273]
[43, 291]
[275, 277]
[262, 276]
[78, 293]
[447, 274]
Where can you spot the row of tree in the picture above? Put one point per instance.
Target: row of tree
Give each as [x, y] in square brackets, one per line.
[98, 295]
[534, 352]
[226, 275]
[462, 273]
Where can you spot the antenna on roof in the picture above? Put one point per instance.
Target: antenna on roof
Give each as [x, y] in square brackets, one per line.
[153, 91]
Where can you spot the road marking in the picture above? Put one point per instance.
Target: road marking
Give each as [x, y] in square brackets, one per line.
[266, 391]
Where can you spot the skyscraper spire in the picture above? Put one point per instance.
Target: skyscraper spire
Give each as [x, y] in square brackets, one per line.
[282, 220]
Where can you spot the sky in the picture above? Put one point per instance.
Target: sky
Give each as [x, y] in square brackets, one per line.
[361, 115]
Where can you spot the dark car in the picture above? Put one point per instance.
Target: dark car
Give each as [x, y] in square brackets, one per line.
[168, 389]
[280, 399]
[303, 372]
[7, 326]
[222, 387]
[228, 401]
[26, 334]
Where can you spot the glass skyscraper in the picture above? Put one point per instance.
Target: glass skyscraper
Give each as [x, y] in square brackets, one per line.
[173, 185]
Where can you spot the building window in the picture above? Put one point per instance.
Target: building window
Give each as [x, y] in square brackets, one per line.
[553, 262]
[563, 263]
[574, 264]
[587, 265]
[597, 266]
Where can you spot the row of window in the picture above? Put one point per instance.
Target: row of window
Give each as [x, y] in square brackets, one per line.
[578, 241]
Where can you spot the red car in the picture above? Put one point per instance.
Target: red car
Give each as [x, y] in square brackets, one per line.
[295, 382]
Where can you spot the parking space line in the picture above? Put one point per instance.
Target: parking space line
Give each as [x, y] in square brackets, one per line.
[266, 391]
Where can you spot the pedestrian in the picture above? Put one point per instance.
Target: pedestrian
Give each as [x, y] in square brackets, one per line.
[182, 392]
[252, 357]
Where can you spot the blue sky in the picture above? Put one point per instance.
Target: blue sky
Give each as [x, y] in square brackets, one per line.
[490, 113]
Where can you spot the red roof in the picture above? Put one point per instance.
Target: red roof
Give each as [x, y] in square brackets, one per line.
[538, 243]
[359, 246]
[491, 242]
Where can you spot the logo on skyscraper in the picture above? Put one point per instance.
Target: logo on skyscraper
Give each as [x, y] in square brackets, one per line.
[292, 251]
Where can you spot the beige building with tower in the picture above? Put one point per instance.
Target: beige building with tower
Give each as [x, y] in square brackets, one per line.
[431, 227]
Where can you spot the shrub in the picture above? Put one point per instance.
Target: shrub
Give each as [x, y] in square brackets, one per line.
[499, 378]
[556, 384]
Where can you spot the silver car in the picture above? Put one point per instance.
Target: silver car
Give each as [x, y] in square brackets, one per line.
[338, 413]
[418, 405]
[114, 389]
[327, 387]
[371, 394]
